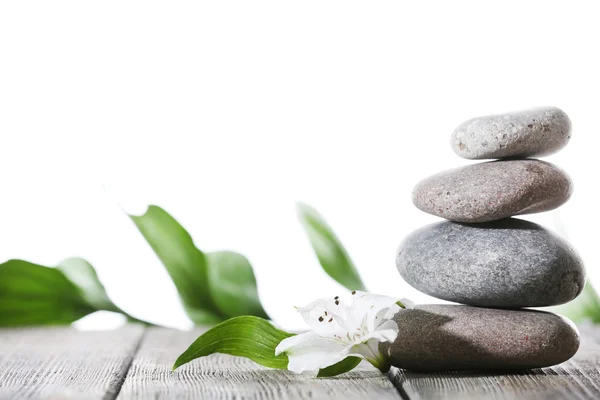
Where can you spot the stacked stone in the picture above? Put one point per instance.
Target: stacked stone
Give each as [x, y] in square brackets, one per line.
[492, 264]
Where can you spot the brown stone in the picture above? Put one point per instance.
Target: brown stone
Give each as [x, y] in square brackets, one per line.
[493, 190]
[456, 337]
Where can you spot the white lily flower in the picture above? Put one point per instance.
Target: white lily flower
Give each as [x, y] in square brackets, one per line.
[340, 331]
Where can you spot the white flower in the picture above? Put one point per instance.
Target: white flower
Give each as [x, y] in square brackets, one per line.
[340, 331]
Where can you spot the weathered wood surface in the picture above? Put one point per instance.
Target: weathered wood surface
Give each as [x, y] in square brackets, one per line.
[135, 363]
[62, 363]
[579, 378]
[224, 377]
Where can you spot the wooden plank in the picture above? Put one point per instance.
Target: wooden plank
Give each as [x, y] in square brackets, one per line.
[578, 378]
[63, 363]
[225, 377]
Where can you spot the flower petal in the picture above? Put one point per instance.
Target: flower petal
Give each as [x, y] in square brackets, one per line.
[294, 341]
[375, 309]
[384, 315]
[407, 303]
[325, 316]
[387, 332]
[369, 351]
[310, 352]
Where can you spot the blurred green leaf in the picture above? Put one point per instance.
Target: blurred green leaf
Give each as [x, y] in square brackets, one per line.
[331, 254]
[212, 286]
[31, 294]
[586, 307]
[346, 365]
[184, 262]
[232, 284]
[247, 336]
[84, 276]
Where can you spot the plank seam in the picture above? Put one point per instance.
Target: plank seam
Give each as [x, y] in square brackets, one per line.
[113, 395]
[397, 384]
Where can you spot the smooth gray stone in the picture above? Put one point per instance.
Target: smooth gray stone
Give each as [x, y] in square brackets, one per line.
[529, 133]
[493, 190]
[508, 263]
[453, 337]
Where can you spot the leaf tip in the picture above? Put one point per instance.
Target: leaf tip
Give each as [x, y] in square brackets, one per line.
[178, 363]
[346, 365]
[139, 212]
[303, 208]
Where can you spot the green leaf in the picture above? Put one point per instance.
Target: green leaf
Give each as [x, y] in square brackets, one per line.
[31, 294]
[346, 365]
[253, 338]
[247, 336]
[184, 262]
[586, 307]
[212, 286]
[83, 275]
[232, 284]
[331, 254]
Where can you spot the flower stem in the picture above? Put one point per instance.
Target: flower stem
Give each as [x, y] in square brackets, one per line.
[384, 365]
[377, 358]
[380, 362]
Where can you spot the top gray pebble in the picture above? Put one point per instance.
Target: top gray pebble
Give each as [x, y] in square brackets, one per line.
[534, 132]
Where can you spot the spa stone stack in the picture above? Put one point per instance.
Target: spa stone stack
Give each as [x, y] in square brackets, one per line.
[492, 264]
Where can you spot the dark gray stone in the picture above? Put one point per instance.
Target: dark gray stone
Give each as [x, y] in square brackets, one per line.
[493, 190]
[452, 337]
[508, 263]
[529, 133]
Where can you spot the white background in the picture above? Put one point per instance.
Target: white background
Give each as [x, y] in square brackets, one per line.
[227, 113]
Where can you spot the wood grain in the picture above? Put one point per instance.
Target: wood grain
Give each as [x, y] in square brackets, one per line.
[63, 363]
[133, 363]
[225, 377]
[578, 378]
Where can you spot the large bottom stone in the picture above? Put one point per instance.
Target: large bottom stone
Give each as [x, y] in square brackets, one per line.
[456, 337]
